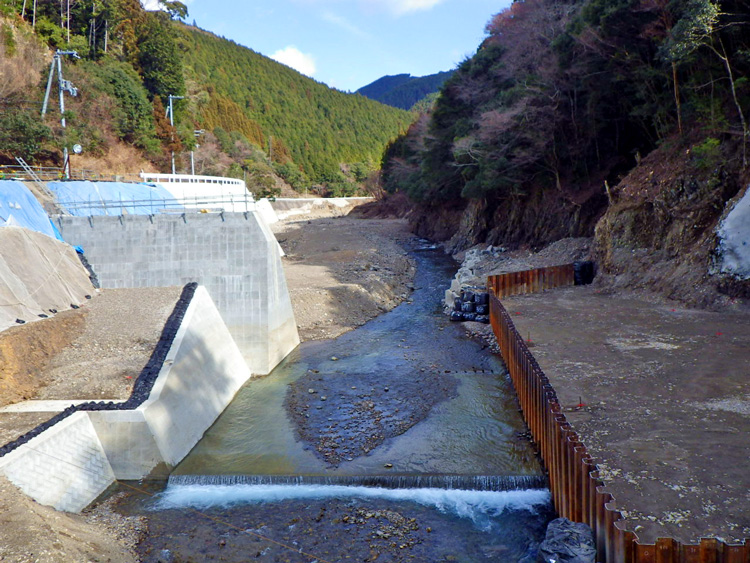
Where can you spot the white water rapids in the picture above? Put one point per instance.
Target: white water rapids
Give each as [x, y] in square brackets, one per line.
[477, 506]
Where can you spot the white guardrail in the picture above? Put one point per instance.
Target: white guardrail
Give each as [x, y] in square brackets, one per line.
[152, 206]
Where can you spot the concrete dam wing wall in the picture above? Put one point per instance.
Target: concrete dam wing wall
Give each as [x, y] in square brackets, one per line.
[71, 462]
[234, 255]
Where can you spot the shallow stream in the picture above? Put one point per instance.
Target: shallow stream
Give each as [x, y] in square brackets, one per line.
[398, 441]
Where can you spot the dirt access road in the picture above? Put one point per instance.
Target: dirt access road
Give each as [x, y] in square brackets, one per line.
[343, 271]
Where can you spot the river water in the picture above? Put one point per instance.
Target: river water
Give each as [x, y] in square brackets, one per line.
[398, 441]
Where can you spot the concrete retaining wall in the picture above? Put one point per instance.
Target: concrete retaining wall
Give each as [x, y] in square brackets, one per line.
[202, 372]
[65, 467]
[299, 208]
[70, 464]
[234, 255]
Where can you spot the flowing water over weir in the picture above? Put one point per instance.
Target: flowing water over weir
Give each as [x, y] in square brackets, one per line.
[398, 441]
[449, 482]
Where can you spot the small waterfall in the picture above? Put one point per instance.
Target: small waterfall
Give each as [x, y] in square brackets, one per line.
[449, 482]
[482, 507]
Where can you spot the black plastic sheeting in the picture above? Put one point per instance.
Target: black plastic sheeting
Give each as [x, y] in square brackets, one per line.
[92, 274]
[143, 384]
[568, 542]
[473, 305]
[584, 272]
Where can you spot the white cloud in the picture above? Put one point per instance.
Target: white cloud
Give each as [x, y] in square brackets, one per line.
[402, 7]
[293, 57]
[153, 5]
[395, 7]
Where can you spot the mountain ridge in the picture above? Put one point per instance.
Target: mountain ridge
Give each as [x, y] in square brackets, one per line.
[404, 91]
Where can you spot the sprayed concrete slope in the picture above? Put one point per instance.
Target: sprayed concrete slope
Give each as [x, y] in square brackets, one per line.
[234, 255]
[733, 250]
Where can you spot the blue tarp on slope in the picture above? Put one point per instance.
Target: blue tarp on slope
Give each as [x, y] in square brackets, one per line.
[83, 198]
[20, 208]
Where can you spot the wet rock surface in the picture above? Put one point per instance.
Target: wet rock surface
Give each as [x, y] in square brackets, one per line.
[349, 416]
[338, 530]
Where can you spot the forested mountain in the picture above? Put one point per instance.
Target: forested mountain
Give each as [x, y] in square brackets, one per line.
[384, 85]
[255, 117]
[547, 127]
[565, 95]
[316, 126]
[403, 90]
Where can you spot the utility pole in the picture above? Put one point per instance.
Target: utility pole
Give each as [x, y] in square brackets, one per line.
[196, 133]
[170, 113]
[62, 87]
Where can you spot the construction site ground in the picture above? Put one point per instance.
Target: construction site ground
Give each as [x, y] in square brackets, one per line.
[94, 353]
[660, 395]
[341, 272]
[665, 391]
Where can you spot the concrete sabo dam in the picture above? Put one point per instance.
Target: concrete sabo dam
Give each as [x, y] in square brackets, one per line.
[236, 323]
[234, 255]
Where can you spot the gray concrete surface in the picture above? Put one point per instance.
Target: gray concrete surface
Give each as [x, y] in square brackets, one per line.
[70, 464]
[234, 255]
[202, 373]
[64, 467]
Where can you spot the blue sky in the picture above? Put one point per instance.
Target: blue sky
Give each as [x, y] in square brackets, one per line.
[349, 43]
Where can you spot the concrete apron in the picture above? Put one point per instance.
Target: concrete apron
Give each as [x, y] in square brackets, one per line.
[70, 464]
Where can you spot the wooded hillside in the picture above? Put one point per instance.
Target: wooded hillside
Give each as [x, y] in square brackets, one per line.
[316, 126]
[564, 98]
[257, 118]
[621, 120]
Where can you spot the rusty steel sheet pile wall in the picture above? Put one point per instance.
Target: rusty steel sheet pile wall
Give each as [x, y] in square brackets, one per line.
[577, 492]
[531, 281]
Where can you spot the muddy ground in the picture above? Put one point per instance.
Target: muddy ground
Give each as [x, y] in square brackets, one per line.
[31, 533]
